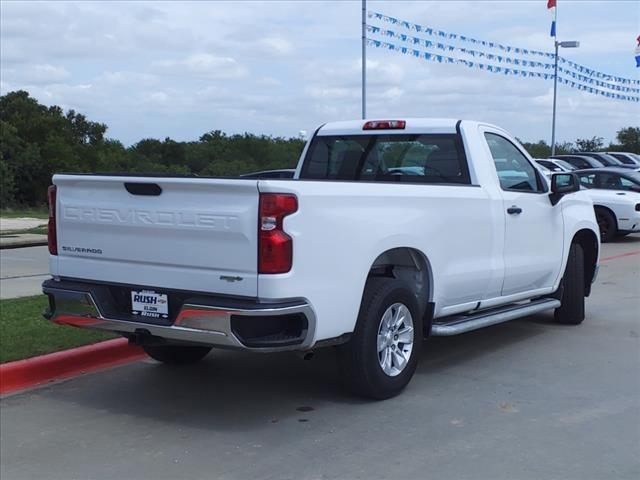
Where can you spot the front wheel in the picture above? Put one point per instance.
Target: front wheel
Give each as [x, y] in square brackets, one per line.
[176, 354]
[383, 352]
[607, 224]
[571, 310]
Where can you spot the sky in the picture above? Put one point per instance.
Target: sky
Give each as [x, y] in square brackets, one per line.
[181, 69]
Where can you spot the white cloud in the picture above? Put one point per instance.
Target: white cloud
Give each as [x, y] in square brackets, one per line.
[269, 82]
[128, 79]
[276, 45]
[178, 69]
[36, 74]
[203, 65]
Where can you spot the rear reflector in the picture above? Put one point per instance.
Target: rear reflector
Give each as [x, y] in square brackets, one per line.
[384, 125]
[275, 247]
[52, 237]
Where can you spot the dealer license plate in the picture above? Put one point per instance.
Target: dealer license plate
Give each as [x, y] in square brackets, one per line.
[148, 303]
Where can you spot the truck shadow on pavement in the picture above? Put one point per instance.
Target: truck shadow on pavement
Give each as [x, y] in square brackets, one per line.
[231, 391]
[628, 239]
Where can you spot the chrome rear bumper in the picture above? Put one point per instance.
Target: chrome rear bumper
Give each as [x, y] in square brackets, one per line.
[197, 323]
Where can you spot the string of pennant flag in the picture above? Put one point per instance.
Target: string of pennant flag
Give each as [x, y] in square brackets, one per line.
[496, 57]
[440, 58]
[580, 69]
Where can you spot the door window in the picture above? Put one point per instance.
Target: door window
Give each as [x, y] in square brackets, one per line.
[611, 181]
[514, 170]
[588, 180]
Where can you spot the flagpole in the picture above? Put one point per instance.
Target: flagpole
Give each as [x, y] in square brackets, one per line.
[555, 95]
[555, 79]
[364, 59]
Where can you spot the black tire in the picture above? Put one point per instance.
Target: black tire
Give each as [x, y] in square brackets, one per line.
[607, 224]
[361, 367]
[176, 354]
[571, 310]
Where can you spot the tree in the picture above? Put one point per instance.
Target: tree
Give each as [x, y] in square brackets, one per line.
[36, 141]
[537, 150]
[628, 140]
[592, 144]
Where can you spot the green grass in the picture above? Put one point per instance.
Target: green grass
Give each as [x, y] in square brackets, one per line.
[25, 333]
[24, 212]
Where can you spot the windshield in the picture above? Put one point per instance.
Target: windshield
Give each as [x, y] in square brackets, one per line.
[566, 165]
[623, 158]
[608, 160]
[549, 165]
[386, 158]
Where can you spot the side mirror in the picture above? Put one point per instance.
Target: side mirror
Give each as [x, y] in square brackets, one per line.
[561, 184]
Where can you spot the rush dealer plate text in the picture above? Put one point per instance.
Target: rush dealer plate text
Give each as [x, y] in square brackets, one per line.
[148, 303]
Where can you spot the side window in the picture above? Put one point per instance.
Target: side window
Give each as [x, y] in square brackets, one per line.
[514, 170]
[611, 181]
[588, 180]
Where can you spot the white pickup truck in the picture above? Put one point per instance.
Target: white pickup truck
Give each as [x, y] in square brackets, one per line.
[390, 232]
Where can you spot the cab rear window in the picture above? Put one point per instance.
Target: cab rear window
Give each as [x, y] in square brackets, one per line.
[387, 158]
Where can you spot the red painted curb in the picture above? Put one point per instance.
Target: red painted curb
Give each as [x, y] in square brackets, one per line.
[628, 254]
[34, 371]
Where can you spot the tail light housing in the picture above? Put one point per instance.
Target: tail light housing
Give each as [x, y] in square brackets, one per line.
[275, 247]
[52, 235]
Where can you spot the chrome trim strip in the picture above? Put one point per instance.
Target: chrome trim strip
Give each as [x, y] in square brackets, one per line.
[79, 309]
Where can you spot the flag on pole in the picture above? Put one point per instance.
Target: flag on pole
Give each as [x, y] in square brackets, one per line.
[638, 52]
[551, 4]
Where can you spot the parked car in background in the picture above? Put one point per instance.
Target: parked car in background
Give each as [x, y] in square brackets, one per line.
[579, 161]
[282, 173]
[627, 158]
[606, 160]
[616, 200]
[564, 164]
[551, 165]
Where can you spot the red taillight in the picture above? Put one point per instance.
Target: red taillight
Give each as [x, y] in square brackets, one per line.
[275, 248]
[52, 236]
[385, 125]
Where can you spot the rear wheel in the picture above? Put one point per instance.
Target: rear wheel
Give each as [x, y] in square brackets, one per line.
[176, 354]
[607, 224]
[383, 352]
[571, 310]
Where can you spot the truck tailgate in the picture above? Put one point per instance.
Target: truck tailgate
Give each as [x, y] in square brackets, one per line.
[175, 233]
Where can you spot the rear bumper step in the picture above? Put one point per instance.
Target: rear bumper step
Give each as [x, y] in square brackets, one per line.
[261, 327]
[467, 323]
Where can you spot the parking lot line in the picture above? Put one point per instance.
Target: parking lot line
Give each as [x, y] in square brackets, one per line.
[613, 257]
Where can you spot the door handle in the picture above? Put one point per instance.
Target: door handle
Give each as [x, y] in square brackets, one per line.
[513, 210]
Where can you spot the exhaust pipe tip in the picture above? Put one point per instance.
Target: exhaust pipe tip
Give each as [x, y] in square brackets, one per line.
[308, 355]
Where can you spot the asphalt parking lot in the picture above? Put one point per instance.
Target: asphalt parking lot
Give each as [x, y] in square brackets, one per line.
[525, 399]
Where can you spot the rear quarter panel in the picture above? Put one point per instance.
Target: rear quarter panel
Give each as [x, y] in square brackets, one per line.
[342, 227]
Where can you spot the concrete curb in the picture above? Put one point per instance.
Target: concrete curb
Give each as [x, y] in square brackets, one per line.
[22, 241]
[22, 374]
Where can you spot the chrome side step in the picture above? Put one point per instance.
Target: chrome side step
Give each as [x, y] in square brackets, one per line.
[465, 323]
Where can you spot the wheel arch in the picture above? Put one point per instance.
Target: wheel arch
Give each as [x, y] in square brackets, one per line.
[413, 267]
[597, 206]
[588, 240]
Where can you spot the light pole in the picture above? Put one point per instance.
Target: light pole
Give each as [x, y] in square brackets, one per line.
[364, 59]
[567, 44]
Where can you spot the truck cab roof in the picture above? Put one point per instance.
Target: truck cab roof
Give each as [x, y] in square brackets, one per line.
[411, 126]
